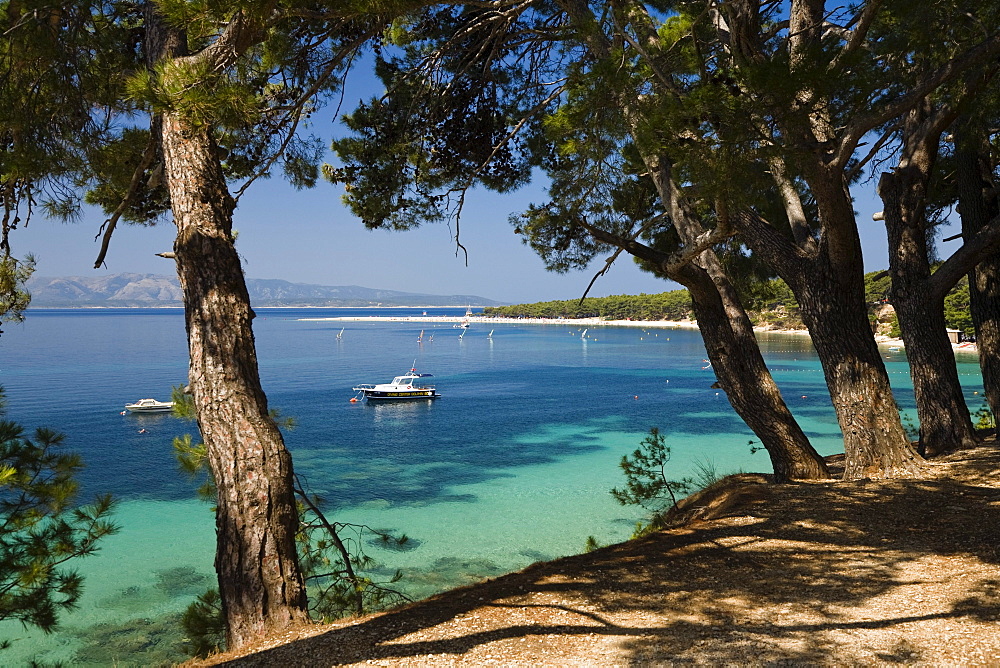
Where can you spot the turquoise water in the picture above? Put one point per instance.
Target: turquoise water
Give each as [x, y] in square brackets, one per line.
[512, 465]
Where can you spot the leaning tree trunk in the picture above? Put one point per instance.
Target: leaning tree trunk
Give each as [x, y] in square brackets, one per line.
[735, 355]
[918, 301]
[978, 204]
[732, 345]
[260, 583]
[943, 414]
[259, 579]
[741, 371]
[831, 300]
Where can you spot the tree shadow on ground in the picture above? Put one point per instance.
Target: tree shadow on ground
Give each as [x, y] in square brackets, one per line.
[794, 574]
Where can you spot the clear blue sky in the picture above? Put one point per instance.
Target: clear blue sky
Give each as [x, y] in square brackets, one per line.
[309, 237]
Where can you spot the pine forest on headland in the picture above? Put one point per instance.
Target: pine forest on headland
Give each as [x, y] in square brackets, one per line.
[769, 304]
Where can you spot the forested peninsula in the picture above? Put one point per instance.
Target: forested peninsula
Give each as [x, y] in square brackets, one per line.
[770, 304]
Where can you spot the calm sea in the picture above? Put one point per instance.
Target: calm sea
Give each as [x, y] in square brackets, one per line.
[512, 465]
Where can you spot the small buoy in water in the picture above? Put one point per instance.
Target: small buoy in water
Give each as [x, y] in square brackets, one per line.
[804, 396]
[636, 396]
[976, 392]
[354, 400]
[123, 413]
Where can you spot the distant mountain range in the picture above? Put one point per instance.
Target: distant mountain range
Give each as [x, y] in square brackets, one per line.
[149, 290]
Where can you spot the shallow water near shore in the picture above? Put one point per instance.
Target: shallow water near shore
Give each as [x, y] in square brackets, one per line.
[512, 465]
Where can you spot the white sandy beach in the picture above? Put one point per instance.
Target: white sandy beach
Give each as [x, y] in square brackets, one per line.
[882, 341]
[571, 322]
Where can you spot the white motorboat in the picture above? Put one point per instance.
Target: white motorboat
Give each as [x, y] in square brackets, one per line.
[149, 406]
[406, 386]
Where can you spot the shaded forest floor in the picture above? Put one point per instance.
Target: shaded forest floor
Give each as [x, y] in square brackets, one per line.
[865, 572]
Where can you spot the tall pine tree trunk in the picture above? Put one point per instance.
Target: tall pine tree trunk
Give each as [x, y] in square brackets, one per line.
[831, 300]
[259, 579]
[978, 204]
[260, 583]
[917, 297]
[875, 445]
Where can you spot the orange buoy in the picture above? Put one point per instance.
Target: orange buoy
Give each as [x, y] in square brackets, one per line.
[354, 400]
[636, 396]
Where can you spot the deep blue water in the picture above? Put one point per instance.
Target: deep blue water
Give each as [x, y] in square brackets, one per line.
[511, 465]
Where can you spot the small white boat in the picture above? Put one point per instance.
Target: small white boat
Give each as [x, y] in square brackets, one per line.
[465, 324]
[405, 386]
[149, 406]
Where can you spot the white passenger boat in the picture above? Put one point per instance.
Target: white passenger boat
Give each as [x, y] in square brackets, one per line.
[149, 406]
[406, 386]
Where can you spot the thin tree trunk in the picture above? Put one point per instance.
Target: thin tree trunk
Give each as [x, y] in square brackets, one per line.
[984, 297]
[978, 204]
[919, 302]
[260, 583]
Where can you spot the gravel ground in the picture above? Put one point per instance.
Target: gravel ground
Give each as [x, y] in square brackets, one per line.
[859, 573]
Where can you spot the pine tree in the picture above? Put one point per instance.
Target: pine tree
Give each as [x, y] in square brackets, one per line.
[41, 528]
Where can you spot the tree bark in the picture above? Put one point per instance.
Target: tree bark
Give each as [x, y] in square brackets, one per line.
[978, 204]
[943, 414]
[259, 579]
[831, 299]
[260, 583]
[732, 348]
[725, 328]
[743, 374]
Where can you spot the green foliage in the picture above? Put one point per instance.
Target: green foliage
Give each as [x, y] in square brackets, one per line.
[769, 302]
[771, 295]
[674, 305]
[205, 625]
[338, 571]
[58, 61]
[877, 287]
[706, 473]
[592, 544]
[909, 426]
[340, 575]
[40, 527]
[646, 482]
[957, 312]
[14, 299]
[985, 420]
[894, 331]
[114, 163]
